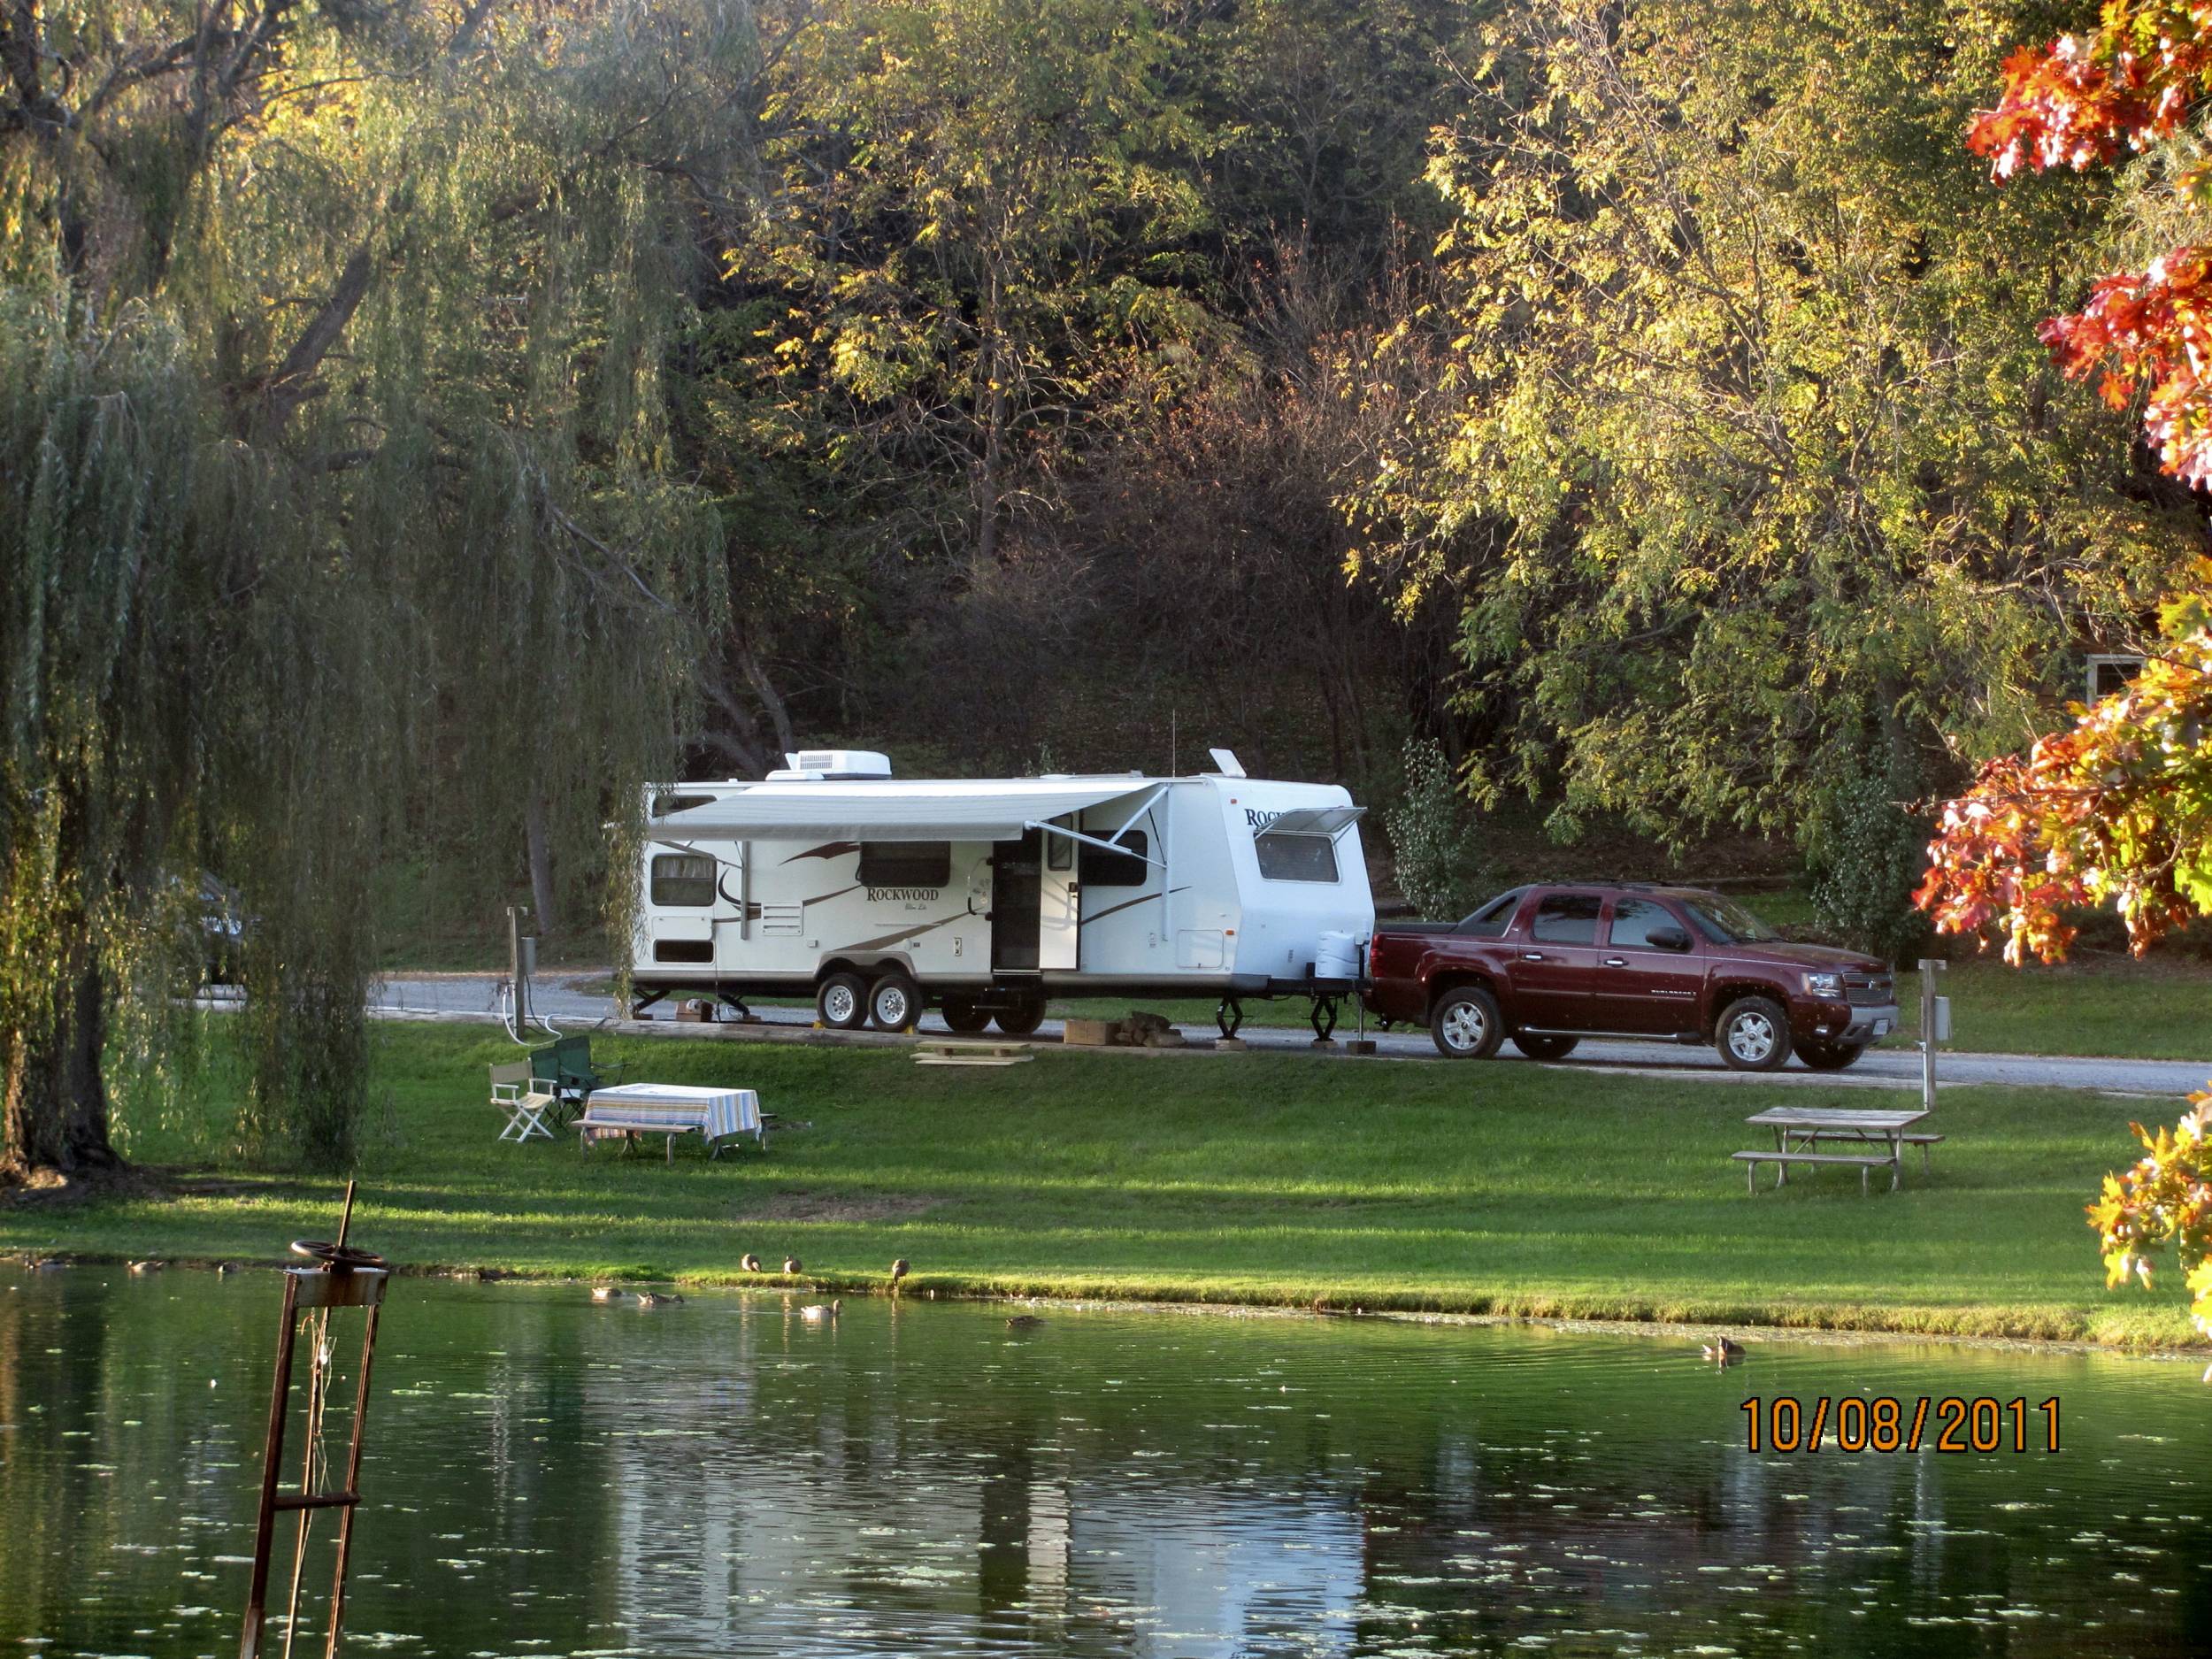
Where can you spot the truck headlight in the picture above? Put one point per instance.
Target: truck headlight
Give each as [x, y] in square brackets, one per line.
[1824, 984]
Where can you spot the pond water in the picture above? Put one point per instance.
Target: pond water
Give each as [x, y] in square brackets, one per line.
[547, 1475]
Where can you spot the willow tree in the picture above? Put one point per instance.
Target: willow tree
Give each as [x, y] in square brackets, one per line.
[1754, 475]
[333, 430]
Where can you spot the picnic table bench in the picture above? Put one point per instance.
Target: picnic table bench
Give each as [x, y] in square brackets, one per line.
[630, 1109]
[1799, 1131]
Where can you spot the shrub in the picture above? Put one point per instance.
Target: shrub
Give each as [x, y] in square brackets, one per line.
[1434, 837]
[1867, 858]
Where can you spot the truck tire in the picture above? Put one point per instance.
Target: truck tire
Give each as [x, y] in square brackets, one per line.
[1829, 1057]
[1465, 1023]
[961, 1014]
[1022, 1017]
[1544, 1048]
[1753, 1035]
[841, 1002]
[895, 1002]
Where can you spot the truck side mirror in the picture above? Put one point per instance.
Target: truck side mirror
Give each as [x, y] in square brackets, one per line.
[1667, 939]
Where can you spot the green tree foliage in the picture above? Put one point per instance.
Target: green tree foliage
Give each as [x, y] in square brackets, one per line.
[1436, 844]
[335, 438]
[1754, 475]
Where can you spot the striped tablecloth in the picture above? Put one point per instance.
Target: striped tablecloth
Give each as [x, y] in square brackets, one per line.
[670, 1108]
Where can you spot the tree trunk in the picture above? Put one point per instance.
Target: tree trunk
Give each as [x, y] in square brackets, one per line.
[54, 1114]
[541, 851]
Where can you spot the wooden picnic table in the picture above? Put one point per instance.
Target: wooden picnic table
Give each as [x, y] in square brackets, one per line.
[630, 1109]
[1800, 1130]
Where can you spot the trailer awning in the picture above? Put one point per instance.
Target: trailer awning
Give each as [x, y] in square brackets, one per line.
[892, 811]
[1315, 820]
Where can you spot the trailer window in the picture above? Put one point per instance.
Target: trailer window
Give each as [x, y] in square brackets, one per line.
[683, 880]
[663, 804]
[1296, 857]
[905, 864]
[1103, 868]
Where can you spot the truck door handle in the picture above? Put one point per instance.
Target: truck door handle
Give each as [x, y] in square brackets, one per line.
[1616, 962]
[1532, 956]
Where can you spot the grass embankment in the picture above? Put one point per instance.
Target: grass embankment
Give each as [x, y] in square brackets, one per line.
[1262, 1178]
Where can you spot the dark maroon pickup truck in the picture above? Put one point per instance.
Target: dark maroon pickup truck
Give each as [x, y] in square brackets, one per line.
[1547, 966]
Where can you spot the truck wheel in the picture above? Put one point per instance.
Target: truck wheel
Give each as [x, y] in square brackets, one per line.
[1829, 1057]
[961, 1014]
[1022, 1018]
[1465, 1024]
[1538, 1047]
[895, 1003]
[1755, 1034]
[842, 1001]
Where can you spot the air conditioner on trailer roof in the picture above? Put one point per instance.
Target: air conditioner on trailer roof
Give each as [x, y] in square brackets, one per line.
[833, 763]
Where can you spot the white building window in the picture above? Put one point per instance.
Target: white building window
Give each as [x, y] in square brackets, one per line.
[2111, 673]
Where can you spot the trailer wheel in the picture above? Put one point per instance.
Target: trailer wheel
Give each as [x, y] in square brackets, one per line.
[961, 1014]
[895, 1003]
[1020, 1019]
[841, 1002]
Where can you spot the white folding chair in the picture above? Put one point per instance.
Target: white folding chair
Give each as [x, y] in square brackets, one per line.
[525, 1099]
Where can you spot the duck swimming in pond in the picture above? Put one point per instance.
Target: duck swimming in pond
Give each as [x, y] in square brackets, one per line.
[749, 1261]
[1724, 1351]
[1024, 1321]
[607, 1292]
[149, 1266]
[43, 1264]
[817, 1313]
[657, 1298]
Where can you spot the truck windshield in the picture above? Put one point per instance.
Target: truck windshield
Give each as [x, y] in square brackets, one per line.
[1726, 922]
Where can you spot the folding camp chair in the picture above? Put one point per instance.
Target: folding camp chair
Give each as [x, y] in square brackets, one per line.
[525, 1099]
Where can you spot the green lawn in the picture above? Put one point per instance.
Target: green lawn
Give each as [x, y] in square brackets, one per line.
[1261, 1178]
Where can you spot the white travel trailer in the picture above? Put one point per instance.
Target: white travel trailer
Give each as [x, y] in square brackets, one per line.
[879, 896]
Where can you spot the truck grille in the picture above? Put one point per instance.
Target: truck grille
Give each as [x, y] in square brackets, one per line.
[1870, 990]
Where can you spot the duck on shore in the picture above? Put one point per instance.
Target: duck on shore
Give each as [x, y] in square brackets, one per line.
[791, 1264]
[898, 1272]
[749, 1261]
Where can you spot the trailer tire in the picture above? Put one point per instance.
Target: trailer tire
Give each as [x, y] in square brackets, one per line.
[895, 1002]
[1465, 1025]
[961, 1014]
[1020, 1018]
[841, 1002]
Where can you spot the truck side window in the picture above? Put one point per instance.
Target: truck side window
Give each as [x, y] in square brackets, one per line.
[1492, 920]
[1568, 919]
[683, 880]
[1634, 920]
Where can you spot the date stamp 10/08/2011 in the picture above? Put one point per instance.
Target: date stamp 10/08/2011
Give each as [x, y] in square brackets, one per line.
[1885, 1422]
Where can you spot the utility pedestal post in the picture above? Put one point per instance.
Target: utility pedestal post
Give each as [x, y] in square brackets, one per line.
[1935, 1025]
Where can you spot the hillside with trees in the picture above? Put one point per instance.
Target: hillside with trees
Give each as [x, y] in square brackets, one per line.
[421, 422]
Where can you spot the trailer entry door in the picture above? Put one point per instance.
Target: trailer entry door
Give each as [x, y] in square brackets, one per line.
[1059, 902]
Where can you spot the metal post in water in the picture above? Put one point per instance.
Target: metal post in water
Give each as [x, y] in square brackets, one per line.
[343, 1276]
